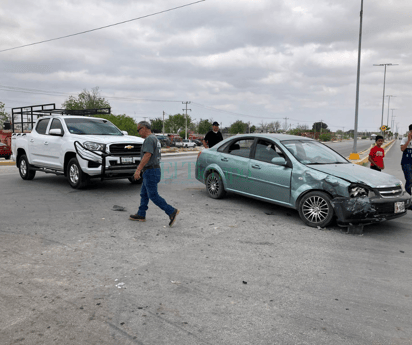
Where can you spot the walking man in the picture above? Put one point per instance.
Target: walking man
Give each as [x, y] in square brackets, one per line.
[149, 169]
[213, 137]
[406, 148]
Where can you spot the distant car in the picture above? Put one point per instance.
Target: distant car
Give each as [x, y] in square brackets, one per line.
[302, 174]
[197, 142]
[164, 140]
[188, 143]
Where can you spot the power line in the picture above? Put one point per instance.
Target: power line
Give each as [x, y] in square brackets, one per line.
[102, 27]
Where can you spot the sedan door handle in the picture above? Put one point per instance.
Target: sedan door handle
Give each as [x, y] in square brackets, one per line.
[224, 160]
[46, 143]
[256, 166]
[32, 140]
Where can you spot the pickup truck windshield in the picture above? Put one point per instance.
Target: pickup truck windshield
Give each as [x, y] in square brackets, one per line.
[90, 126]
[312, 152]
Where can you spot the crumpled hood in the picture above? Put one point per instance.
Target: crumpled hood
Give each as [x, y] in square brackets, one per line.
[356, 173]
[108, 139]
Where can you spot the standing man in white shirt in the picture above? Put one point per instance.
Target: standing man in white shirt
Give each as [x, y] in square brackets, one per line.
[406, 148]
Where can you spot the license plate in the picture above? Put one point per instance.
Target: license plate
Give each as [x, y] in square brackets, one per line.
[399, 207]
[126, 160]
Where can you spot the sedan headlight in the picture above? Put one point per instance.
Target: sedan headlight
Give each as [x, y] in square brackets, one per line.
[359, 191]
[94, 146]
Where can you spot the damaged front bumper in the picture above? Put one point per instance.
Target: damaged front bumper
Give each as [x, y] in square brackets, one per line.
[364, 210]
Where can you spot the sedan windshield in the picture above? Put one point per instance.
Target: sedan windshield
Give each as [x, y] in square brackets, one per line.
[313, 152]
[90, 126]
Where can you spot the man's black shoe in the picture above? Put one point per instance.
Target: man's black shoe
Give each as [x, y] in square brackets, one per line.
[173, 217]
[137, 217]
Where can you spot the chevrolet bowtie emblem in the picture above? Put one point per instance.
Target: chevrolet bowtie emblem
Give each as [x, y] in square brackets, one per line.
[128, 147]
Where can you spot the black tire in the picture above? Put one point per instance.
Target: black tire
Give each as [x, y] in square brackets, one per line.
[214, 186]
[24, 169]
[7, 157]
[133, 181]
[315, 209]
[75, 175]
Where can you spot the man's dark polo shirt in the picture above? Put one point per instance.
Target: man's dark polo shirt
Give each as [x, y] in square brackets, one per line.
[213, 138]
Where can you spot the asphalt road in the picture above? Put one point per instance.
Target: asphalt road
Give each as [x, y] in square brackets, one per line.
[231, 271]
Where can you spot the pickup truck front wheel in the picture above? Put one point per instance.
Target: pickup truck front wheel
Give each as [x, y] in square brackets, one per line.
[24, 169]
[76, 177]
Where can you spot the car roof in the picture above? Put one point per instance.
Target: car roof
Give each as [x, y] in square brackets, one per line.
[275, 136]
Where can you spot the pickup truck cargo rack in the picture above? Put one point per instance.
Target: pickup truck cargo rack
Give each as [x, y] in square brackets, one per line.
[27, 116]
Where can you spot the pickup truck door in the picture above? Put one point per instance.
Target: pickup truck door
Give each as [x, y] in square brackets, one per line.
[53, 145]
[36, 147]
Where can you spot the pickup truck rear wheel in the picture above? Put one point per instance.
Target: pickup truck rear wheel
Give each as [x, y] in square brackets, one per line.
[75, 175]
[24, 169]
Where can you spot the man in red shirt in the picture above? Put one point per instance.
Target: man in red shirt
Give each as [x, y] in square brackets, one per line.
[376, 155]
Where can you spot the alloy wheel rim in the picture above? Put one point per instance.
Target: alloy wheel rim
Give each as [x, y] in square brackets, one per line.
[213, 185]
[23, 167]
[74, 173]
[315, 209]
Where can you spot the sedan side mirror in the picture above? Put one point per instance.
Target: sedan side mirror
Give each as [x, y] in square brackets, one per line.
[56, 131]
[279, 161]
[125, 133]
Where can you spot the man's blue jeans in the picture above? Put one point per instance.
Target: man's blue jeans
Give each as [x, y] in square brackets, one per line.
[151, 178]
[407, 171]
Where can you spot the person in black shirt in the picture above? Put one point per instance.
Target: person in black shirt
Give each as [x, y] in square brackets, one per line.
[212, 137]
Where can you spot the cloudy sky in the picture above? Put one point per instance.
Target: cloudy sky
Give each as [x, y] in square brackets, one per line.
[291, 61]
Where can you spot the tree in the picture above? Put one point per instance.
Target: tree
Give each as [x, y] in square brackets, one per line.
[86, 100]
[253, 129]
[177, 122]
[325, 136]
[204, 126]
[318, 125]
[123, 122]
[238, 127]
[157, 125]
[4, 116]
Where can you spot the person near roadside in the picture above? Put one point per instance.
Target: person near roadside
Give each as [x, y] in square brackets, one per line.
[149, 169]
[406, 162]
[212, 137]
[377, 154]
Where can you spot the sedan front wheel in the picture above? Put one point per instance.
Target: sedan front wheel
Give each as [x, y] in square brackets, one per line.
[315, 209]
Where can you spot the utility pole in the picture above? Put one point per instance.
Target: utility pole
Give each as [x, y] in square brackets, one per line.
[186, 116]
[354, 154]
[163, 128]
[384, 80]
[389, 101]
[392, 121]
[286, 123]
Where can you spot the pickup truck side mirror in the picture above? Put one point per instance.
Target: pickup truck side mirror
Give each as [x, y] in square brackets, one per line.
[56, 131]
[279, 161]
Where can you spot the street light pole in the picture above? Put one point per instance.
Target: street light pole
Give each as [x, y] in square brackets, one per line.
[354, 154]
[389, 101]
[384, 81]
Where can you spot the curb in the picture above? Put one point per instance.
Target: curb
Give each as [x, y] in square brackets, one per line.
[7, 163]
[365, 159]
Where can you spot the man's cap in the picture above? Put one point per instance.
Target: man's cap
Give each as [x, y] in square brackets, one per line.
[215, 123]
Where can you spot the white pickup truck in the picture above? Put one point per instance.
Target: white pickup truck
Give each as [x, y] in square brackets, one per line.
[79, 147]
[185, 143]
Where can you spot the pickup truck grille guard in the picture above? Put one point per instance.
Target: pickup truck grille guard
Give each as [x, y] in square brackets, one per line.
[100, 157]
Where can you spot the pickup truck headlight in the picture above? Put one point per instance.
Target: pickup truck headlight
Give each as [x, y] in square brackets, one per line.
[359, 191]
[94, 146]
